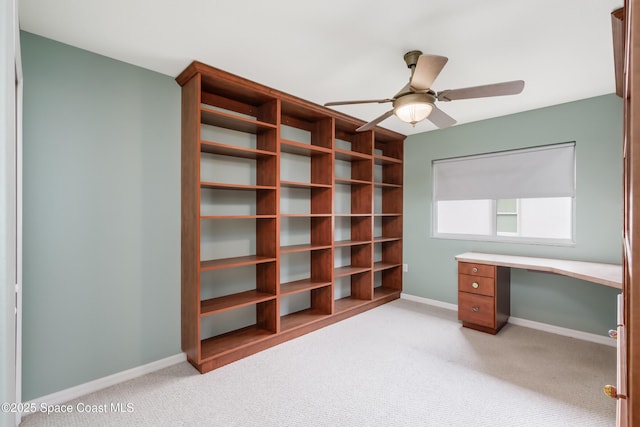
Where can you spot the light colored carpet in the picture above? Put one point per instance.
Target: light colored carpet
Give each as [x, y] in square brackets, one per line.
[402, 364]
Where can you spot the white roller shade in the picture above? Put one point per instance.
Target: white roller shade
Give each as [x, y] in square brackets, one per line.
[547, 171]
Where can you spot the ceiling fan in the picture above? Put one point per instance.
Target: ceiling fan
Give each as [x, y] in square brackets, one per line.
[416, 100]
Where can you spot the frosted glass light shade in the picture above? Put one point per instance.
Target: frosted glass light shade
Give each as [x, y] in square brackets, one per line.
[413, 108]
[414, 113]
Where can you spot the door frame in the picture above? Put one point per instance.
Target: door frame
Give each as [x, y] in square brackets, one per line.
[629, 414]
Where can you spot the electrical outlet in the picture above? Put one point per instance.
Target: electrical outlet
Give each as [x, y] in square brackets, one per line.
[405, 268]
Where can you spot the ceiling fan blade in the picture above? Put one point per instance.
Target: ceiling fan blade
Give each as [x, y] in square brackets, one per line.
[375, 121]
[440, 118]
[484, 91]
[427, 69]
[364, 101]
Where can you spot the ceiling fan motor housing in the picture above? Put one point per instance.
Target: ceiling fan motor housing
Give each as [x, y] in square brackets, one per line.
[411, 58]
[413, 98]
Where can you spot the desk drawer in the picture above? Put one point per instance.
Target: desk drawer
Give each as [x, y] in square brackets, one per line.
[476, 309]
[474, 269]
[476, 284]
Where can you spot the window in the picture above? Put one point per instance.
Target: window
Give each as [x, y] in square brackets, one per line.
[507, 217]
[519, 195]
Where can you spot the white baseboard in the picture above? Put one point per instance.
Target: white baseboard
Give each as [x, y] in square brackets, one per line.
[585, 336]
[428, 301]
[66, 395]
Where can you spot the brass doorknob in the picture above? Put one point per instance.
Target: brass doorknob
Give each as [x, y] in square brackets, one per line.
[612, 392]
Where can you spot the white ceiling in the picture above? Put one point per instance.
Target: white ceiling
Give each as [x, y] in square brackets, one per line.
[335, 50]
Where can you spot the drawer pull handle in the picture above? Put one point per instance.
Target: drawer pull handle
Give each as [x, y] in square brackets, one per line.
[613, 334]
[475, 285]
[475, 309]
[475, 269]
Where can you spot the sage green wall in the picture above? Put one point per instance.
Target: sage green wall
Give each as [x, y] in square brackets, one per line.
[101, 216]
[596, 126]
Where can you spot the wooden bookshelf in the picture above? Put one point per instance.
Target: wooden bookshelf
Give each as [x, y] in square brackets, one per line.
[267, 217]
[388, 179]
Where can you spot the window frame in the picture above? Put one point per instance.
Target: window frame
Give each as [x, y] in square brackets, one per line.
[505, 238]
[494, 237]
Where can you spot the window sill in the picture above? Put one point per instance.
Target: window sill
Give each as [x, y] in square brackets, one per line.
[507, 239]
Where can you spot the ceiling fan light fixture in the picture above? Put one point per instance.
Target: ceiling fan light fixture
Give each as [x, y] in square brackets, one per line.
[414, 113]
[413, 108]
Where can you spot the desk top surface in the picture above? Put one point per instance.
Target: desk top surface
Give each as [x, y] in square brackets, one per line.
[603, 274]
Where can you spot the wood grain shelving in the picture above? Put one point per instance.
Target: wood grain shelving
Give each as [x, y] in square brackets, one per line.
[229, 121]
[234, 262]
[341, 243]
[226, 186]
[348, 303]
[305, 215]
[349, 181]
[385, 184]
[232, 341]
[302, 285]
[238, 216]
[380, 265]
[380, 239]
[349, 270]
[302, 149]
[230, 150]
[284, 202]
[294, 184]
[303, 248]
[348, 155]
[228, 302]
[301, 318]
[386, 160]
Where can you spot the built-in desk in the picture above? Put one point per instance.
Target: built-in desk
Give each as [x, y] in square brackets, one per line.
[603, 274]
[484, 283]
